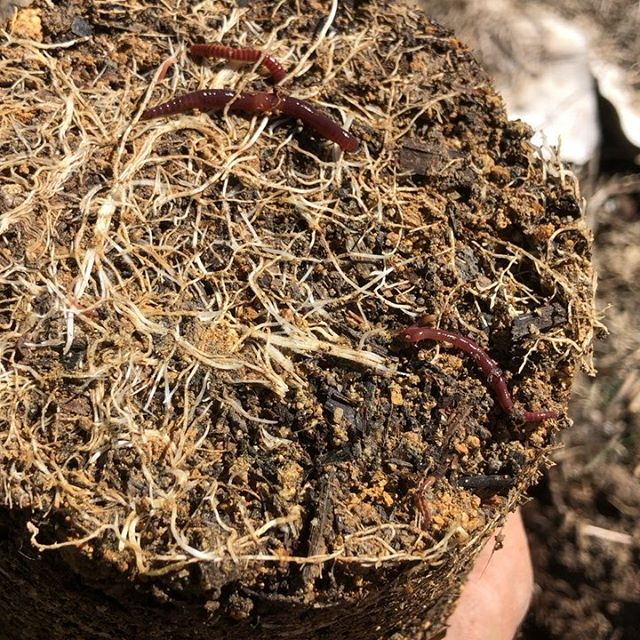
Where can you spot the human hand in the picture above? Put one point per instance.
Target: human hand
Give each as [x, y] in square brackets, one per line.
[498, 592]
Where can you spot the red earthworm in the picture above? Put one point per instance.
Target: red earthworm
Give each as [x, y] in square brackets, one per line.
[244, 54]
[318, 121]
[205, 99]
[487, 365]
[258, 102]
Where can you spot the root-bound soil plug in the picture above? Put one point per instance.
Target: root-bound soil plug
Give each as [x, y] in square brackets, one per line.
[208, 427]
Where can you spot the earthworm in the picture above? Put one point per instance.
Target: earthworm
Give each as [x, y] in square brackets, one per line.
[318, 121]
[258, 102]
[487, 364]
[244, 54]
[205, 99]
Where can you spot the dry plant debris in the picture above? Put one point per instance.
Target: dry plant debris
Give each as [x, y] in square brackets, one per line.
[200, 388]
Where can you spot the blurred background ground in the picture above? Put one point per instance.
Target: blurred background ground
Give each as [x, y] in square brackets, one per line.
[572, 67]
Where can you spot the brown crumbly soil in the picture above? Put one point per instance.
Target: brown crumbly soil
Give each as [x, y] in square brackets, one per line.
[208, 426]
[584, 520]
[584, 523]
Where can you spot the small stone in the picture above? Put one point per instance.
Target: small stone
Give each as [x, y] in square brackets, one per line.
[81, 27]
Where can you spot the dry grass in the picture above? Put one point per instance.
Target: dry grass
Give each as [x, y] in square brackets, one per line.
[63, 137]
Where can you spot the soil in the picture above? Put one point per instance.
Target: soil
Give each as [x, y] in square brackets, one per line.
[210, 427]
[583, 519]
[584, 522]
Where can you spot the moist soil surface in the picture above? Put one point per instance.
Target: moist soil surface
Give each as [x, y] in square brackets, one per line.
[208, 421]
[584, 521]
